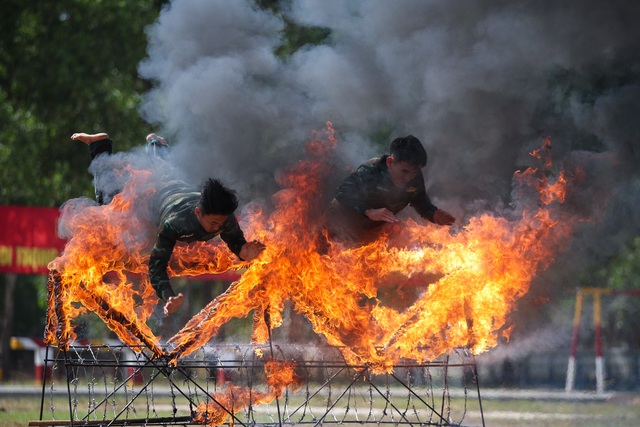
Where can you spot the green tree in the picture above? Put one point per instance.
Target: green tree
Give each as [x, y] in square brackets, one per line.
[622, 271]
[66, 66]
[69, 66]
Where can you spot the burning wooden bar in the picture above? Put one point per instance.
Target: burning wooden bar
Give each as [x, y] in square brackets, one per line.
[261, 324]
[204, 325]
[58, 328]
[415, 316]
[51, 318]
[119, 323]
[397, 335]
[468, 314]
[58, 324]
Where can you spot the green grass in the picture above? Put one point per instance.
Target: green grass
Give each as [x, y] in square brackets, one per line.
[621, 410]
[16, 412]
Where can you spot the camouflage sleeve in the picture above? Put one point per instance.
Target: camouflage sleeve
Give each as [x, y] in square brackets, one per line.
[421, 202]
[159, 262]
[99, 147]
[95, 149]
[352, 192]
[232, 235]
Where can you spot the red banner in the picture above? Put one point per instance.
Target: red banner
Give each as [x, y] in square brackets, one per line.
[28, 239]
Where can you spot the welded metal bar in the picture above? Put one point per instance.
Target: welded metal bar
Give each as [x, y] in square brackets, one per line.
[357, 377]
[391, 403]
[130, 402]
[114, 391]
[181, 370]
[304, 404]
[66, 367]
[476, 377]
[445, 387]
[122, 384]
[165, 372]
[328, 414]
[44, 380]
[416, 395]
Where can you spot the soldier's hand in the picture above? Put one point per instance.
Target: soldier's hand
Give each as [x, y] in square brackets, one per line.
[173, 303]
[251, 250]
[441, 217]
[382, 214]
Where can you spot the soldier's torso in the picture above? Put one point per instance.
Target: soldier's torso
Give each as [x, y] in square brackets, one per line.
[381, 193]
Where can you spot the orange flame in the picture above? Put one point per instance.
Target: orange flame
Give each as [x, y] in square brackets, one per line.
[224, 403]
[465, 280]
[105, 263]
[546, 190]
[106, 239]
[481, 271]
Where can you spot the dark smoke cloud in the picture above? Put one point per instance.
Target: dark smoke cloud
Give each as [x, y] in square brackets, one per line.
[470, 79]
[463, 77]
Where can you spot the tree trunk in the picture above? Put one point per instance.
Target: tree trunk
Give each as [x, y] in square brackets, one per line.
[7, 326]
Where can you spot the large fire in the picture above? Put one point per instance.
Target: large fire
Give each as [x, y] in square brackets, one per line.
[466, 279]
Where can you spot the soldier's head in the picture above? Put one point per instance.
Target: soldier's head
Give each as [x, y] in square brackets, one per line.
[217, 202]
[409, 149]
[407, 156]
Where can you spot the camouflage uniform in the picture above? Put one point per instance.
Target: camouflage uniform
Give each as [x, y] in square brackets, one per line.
[175, 208]
[97, 148]
[370, 187]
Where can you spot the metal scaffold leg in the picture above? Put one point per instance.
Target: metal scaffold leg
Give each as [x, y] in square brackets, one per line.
[233, 385]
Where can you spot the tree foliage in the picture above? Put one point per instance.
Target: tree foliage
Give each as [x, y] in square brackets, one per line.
[622, 271]
[66, 66]
[72, 66]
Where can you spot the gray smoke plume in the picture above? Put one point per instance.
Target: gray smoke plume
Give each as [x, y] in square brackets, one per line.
[466, 79]
[480, 83]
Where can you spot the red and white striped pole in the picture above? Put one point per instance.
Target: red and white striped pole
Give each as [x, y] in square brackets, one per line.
[39, 348]
[571, 367]
[597, 324]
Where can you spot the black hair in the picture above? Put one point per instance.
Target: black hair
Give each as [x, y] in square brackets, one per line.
[216, 199]
[409, 149]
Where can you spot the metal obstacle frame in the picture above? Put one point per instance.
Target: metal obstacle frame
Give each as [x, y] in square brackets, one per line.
[115, 385]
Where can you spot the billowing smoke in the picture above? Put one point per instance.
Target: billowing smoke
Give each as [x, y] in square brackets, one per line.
[466, 79]
[480, 83]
